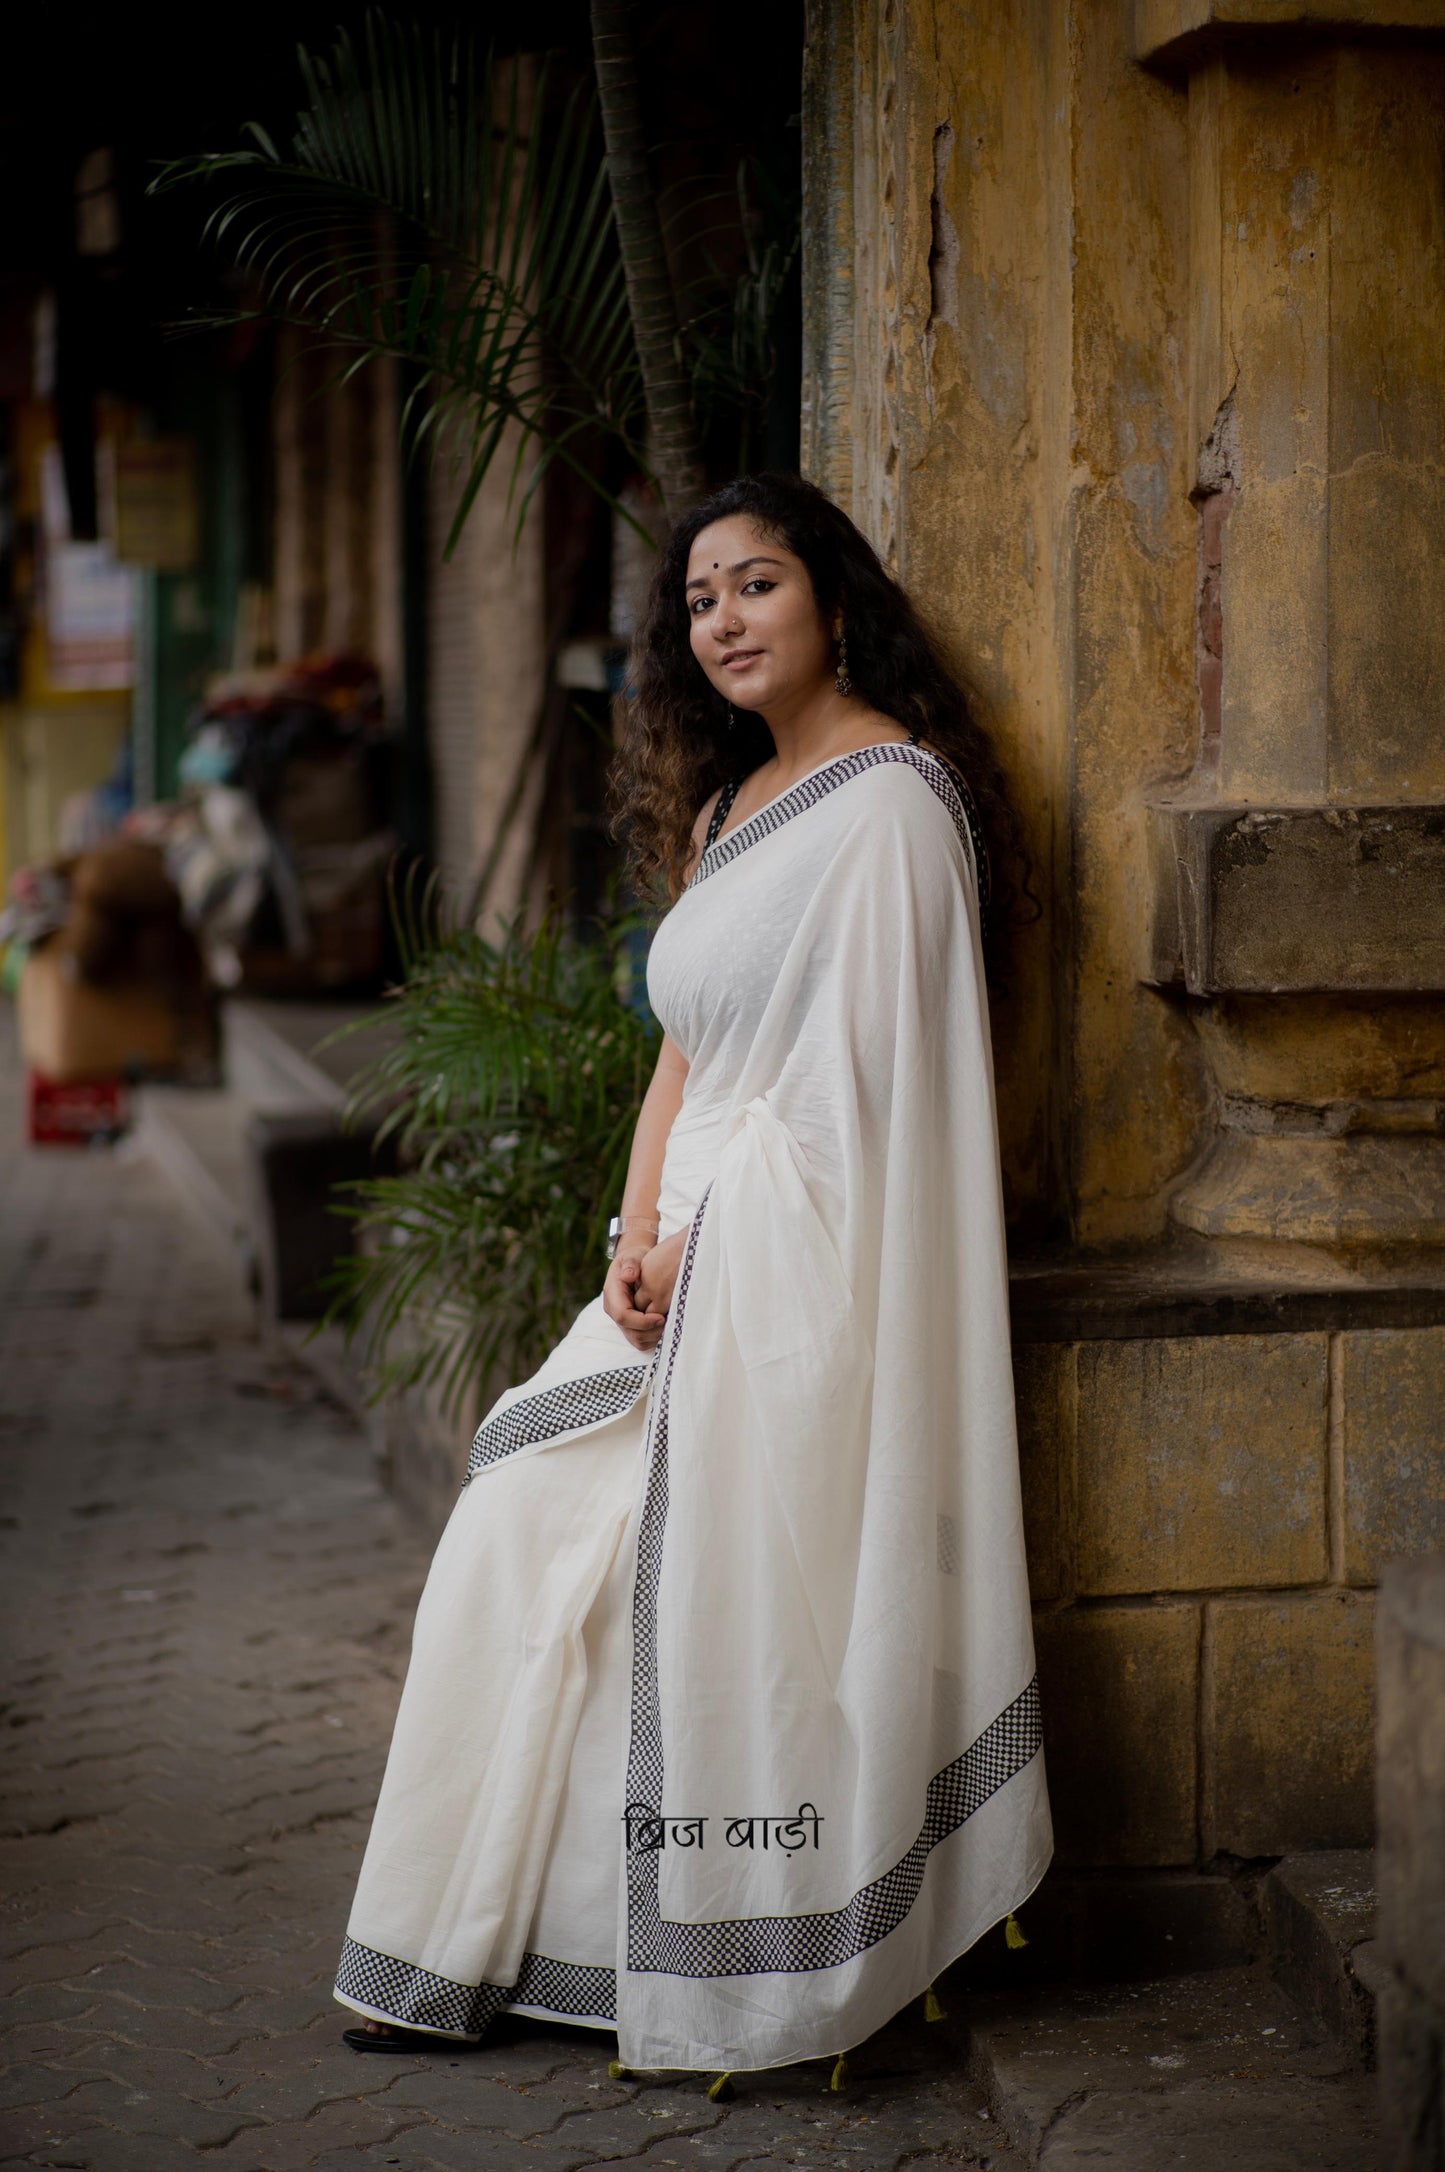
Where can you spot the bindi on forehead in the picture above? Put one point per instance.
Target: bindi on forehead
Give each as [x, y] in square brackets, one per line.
[760, 558]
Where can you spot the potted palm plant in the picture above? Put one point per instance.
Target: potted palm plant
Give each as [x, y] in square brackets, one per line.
[509, 1085]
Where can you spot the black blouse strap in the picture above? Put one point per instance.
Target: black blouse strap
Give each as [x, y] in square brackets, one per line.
[725, 799]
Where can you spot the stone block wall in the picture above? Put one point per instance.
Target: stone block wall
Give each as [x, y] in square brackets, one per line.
[1207, 1517]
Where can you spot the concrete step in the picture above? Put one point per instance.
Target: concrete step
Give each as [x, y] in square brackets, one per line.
[1319, 1924]
[1257, 2057]
[1195, 2072]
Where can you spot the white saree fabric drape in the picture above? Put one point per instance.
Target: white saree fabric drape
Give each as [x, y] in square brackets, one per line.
[721, 1723]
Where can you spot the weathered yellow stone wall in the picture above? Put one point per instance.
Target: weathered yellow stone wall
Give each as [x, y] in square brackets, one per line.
[1126, 344]
[1321, 296]
[1015, 440]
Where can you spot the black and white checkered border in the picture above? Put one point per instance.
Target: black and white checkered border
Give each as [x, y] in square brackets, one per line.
[769, 1945]
[566, 1987]
[567, 1408]
[419, 2000]
[414, 1996]
[941, 778]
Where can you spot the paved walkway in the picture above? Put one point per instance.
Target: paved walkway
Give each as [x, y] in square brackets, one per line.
[205, 1602]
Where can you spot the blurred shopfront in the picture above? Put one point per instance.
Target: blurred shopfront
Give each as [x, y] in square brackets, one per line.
[203, 532]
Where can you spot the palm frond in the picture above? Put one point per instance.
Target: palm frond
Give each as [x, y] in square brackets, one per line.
[510, 1085]
[452, 213]
[430, 212]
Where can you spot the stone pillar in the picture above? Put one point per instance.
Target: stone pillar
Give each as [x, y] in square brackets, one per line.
[1298, 875]
[1123, 341]
[1411, 1790]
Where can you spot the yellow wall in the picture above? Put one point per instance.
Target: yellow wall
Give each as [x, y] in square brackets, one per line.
[1022, 448]
[1062, 288]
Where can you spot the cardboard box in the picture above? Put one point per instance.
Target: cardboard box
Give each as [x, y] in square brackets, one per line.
[70, 1030]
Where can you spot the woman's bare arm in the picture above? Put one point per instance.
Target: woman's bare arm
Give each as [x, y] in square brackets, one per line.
[640, 1193]
[660, 1105]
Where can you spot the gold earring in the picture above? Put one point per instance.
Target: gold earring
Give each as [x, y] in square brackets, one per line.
[843, 683]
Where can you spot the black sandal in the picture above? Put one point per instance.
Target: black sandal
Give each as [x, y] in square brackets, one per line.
[395, 2039]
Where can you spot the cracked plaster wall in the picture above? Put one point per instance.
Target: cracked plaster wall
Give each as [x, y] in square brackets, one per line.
[1016, 439]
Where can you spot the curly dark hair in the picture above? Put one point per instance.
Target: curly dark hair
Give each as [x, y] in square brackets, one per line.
[673, 743]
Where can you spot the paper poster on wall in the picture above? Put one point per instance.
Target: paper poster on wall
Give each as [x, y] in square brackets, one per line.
[91, 601]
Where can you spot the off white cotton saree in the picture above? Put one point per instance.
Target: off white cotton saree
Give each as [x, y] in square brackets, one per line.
[721, 1725]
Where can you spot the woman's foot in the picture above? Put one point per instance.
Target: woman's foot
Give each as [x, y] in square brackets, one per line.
[385, 2036]
[381, 2036]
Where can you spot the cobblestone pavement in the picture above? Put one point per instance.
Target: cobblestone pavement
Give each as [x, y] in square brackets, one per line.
[206, 1602]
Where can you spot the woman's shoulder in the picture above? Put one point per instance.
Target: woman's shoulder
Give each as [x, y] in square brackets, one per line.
[905, 765]
[921, 793]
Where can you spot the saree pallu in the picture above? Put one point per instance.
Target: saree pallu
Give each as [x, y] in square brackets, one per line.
[721, 1726]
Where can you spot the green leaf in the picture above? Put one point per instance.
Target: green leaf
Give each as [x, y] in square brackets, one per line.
[510, 1081]
[499, 276]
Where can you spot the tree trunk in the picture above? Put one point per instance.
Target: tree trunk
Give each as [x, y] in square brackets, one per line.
[676, 460]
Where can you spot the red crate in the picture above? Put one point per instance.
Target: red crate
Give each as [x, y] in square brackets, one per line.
[74, 1114]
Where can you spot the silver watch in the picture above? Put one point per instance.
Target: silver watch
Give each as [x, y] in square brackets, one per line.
[614, 1230]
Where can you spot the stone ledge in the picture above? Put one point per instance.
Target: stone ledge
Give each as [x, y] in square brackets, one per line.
[1174, 33]
[1217, 2069]
[1381, 1190]
[1189, 1286]
[1296, 900]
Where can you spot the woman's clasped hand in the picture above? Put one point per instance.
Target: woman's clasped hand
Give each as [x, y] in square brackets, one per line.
[639, 1287]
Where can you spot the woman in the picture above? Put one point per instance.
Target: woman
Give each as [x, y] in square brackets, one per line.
[721, 1725]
